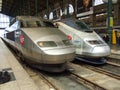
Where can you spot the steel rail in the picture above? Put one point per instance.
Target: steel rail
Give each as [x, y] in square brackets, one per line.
[108, 73]
[89, 83]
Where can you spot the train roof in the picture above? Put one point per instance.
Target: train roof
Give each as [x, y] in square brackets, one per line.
[32, 21]
[76, 24]
[27, 18]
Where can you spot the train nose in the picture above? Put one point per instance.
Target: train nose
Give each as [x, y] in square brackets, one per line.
[101, 51]
[60, 51]
[59, 55]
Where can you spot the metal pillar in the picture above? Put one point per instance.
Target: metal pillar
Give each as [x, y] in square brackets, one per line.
[68, 14]
[47, 3]
[110, 20]
[36, 7]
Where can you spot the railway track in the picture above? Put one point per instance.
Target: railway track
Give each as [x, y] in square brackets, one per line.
[114, 58]
[115, 73]
[88, 83]
[63, 81]
[55, 81]
[68, 80]
[98, 79]
[58, 81]
[39, 77]
[71, 80]
[111, 69]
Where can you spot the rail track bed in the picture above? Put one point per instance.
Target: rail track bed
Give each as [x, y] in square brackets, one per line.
[115, 58]
[103, 80]
[68, 80]
[54, 81]
[80, 78]
[110, 68]
[77, 78]
[57, 81]
[107, 69]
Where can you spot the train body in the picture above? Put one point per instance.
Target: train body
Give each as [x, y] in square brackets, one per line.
[89, 45]
[39, 43]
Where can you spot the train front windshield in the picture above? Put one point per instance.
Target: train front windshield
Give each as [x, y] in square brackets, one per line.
[82, 25]
[27, 24]
[48, 24]
[30, 24]
[76, 24]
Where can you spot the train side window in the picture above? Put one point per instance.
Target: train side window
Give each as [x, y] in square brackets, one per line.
[82, 25]
[93, 42]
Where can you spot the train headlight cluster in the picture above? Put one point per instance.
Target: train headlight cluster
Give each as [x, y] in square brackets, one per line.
[93, 42]
[47, 44]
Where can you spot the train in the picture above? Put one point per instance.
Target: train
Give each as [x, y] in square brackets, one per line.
[39, 43]
[90, 47]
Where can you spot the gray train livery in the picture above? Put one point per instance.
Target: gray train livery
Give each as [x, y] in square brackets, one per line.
[90, 47]
[39, 43]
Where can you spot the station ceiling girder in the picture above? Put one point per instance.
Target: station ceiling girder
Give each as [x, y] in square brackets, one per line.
[25, 7]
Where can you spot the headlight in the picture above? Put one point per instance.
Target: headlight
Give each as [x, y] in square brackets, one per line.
[95, 42]
[47, 44]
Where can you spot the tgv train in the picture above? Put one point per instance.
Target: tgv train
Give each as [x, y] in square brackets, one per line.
[90, 47]
[40, 43]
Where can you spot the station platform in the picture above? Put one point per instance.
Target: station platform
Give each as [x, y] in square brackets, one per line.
[19, 80]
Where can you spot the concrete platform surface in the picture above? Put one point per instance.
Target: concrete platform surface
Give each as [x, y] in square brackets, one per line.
[20, 80]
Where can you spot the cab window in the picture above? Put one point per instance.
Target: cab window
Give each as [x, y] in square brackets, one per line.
[48, 24]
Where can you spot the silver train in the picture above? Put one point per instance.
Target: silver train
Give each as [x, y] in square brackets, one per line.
[39, 43]
[90, 47]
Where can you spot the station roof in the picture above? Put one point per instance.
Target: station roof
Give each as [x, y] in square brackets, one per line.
[24, 7]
